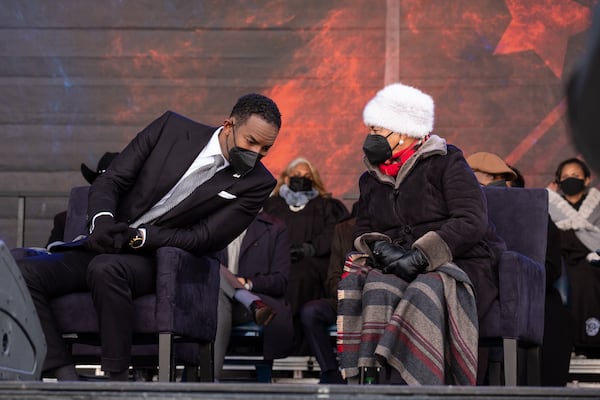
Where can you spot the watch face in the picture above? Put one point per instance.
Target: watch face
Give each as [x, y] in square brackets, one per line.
[136, 242]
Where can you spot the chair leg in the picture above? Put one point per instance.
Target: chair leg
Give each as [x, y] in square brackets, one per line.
[190, 373]
[534, 377]
[165, 357]
[510, 361]
[495, 374]
[264, 371]
[207, 362]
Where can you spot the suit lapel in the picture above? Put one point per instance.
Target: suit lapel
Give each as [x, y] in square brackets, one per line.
[181, 155]
[255, 232]
[222, 181]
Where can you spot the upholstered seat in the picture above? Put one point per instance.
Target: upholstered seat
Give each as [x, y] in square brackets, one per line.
[183, 309]
[516, 319]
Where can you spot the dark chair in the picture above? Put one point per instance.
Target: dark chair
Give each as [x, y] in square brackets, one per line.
[516, 320]
[183, 312]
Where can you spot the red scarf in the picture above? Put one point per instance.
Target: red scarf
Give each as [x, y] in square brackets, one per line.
[392, 166]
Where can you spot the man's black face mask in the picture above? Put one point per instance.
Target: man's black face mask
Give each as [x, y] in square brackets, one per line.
[242, 160]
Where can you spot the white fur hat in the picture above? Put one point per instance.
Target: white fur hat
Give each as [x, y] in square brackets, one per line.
[402, 109]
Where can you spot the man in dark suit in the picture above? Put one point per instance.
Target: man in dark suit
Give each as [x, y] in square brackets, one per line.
[254, 270]
[177, 183]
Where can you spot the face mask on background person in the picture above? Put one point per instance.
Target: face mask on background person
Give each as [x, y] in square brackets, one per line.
[571, 186]
[377, 149]
[300, 184]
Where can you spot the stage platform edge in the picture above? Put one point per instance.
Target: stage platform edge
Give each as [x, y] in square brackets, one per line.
[183, 391]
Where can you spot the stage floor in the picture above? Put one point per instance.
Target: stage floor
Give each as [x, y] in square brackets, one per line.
[231, 390]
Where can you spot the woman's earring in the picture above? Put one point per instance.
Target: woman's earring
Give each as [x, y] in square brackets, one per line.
[401, 142]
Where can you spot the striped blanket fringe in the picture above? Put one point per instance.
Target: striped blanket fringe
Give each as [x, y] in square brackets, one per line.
[426, 330]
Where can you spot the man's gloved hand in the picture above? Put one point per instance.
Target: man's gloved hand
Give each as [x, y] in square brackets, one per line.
[385, 253]
[299, 251]
[407, 267]
[107, 235]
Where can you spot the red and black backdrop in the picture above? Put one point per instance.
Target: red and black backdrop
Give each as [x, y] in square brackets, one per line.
[83, 77]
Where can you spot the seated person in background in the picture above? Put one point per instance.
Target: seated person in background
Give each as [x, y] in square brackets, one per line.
[310, 213]
[490, 169]
[254, 273]
[318, 315]
[558, 340]
[575, 209]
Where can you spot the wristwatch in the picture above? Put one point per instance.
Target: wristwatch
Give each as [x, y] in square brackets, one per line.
[248, 284]
[137, 241]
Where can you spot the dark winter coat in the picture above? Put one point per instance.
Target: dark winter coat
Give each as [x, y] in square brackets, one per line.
[313, 224]
[436, 205]
[264, 259]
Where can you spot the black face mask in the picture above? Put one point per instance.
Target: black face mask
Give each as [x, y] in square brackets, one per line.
[300, 184]
[242, 160]
[571, 186]
[377, 149]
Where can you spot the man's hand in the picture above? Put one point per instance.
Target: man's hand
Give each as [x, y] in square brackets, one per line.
[107, 236]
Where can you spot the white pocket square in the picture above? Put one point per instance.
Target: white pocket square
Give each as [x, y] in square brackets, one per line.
[226, 195]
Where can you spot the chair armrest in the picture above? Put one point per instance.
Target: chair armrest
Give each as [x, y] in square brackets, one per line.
[187, 293]
[522, 296]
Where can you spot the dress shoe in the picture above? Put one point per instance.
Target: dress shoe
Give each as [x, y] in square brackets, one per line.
[261, 312]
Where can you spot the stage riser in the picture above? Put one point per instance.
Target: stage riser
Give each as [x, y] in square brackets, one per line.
[252, 391]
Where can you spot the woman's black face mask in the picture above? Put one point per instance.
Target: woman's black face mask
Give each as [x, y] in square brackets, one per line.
[300, 184]
[572, 186]
[377, 149]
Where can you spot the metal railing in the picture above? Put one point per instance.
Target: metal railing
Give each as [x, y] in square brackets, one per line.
[22, 198]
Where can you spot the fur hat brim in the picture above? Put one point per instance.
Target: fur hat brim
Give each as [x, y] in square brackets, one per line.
[402, 109]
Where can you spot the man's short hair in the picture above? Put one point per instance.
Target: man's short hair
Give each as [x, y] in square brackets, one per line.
[256, 104]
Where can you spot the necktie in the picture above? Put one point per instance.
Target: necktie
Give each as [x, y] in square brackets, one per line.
[182, 190]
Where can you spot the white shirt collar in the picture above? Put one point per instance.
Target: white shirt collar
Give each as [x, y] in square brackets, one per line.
[213, 148]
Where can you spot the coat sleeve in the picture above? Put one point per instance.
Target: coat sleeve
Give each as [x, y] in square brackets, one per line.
[334, 212]
[273, 282]
[218, 228]
[467, 220]
[123, 171]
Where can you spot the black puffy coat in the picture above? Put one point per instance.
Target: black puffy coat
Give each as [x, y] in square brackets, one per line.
[435, 204]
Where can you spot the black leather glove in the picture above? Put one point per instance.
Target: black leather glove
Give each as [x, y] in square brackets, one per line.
[384, 253]
[107, 236]
[407, 267]
[299, 251]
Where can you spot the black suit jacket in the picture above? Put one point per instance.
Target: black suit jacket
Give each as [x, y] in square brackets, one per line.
[152, 163]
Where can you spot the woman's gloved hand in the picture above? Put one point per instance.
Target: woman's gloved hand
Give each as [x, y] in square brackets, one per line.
[385, 253]
[407, 267]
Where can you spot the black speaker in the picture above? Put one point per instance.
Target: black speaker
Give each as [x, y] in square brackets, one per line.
[22, 342]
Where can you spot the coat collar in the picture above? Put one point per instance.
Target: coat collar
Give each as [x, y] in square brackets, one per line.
[435, 145]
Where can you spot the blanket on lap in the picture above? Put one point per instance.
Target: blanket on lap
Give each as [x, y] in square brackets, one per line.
[427, 330]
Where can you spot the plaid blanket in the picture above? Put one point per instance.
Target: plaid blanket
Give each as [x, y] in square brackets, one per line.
[427, 330]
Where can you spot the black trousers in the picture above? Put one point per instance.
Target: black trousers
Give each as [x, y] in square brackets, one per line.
[114, 280]
[317, 316]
